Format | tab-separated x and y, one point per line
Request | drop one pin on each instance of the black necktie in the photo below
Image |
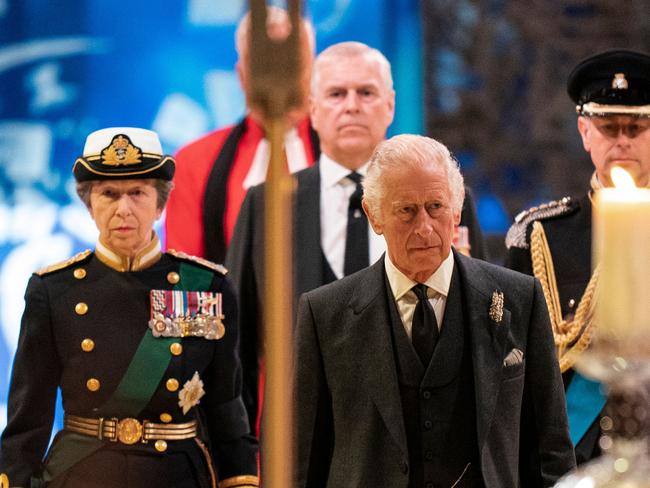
356	239
424	331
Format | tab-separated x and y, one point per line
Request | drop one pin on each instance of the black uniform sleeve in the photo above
519	259
32	394
234	449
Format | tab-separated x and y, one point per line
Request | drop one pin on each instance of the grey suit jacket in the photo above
349	425
245	260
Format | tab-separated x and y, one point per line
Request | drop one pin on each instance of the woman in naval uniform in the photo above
142	344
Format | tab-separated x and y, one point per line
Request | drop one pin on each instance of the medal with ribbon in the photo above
178	313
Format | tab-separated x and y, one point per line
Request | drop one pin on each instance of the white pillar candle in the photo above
622	247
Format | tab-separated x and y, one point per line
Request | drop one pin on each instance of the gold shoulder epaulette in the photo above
195	259
64	264
516	236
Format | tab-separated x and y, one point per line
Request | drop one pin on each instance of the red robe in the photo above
184	224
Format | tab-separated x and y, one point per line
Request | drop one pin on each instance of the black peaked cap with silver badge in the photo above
615	82
123	153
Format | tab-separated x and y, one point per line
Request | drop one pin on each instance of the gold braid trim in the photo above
243	481
571	336
208	460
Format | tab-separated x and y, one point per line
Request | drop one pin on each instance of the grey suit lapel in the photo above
488	341
309	262
371	340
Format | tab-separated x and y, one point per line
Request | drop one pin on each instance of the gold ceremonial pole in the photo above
275	89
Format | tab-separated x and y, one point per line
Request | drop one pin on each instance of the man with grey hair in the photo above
214	172
351	105
428	368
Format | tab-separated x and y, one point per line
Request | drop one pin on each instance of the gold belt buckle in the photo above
129	431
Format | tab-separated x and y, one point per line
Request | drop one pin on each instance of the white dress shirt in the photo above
335	191
406	299
296	158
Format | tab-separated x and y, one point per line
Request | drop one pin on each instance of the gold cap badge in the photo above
121	152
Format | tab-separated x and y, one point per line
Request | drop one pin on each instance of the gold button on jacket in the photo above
172	384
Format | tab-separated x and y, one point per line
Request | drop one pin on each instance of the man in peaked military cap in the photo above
553	241
143	346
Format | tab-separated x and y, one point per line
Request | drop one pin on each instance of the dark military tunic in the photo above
567	225
86	349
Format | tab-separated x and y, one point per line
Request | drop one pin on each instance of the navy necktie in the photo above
424	330
356	240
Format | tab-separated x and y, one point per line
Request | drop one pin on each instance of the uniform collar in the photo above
145	258
439	281
596	184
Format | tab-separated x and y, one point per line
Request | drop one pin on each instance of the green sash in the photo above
135	390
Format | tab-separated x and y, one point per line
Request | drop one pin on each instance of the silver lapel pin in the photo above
496	307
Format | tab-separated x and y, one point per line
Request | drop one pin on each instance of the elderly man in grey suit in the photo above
429	368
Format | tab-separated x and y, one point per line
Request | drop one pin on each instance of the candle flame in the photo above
622	178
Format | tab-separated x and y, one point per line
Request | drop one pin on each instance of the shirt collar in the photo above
145	258
331	172
439	281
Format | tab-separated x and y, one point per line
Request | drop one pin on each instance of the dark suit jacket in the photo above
245	261
349	425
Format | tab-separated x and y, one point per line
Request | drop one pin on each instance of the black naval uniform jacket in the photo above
567	225
50	355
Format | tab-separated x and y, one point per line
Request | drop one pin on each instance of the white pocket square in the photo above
514	357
